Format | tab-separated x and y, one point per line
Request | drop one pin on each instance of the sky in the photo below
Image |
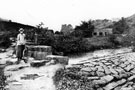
54	13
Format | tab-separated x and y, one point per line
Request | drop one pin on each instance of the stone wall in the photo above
39	52
116	72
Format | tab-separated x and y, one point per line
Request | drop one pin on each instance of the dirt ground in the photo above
25	77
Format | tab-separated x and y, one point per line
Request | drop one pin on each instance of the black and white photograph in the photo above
67	45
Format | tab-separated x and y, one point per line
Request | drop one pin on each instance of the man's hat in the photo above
21	29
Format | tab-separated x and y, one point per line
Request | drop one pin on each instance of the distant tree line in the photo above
75	42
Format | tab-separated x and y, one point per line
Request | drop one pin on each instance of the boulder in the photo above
58	59
37	63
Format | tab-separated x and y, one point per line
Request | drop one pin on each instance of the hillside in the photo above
131	20
131	23
102	23
8	25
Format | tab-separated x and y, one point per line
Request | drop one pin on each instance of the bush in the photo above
95	43
2	78
69	44
5	40
66	44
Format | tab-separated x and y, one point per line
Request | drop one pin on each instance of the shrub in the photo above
5	40
95	43
69	44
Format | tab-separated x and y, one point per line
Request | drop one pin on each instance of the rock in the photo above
107	78
83	73
112	85
129	67
120	70
100	69
133	71
93	78
107	71
107	63
30	76
92	73
103	80
127	88
38	63
131	78
127	63
93	69
100	73
100	89
99	82
122	65
117	88
58	59
89	64
87	69
116	62
113	71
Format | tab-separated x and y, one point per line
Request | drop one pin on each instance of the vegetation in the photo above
85	28
120	27
2	78
80	40
5	40
10	29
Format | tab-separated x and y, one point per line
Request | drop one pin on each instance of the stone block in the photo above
107	78
131	78
93	78
58	59
39	52
107	71
112	85
38	63
100	73
87	69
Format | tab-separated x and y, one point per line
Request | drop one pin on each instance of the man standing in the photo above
21	41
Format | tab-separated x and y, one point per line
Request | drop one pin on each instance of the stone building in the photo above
67	29
102	32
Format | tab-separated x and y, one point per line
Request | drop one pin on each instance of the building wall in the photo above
67	29
102	32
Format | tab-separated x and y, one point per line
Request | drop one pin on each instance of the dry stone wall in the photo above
115	72
39	52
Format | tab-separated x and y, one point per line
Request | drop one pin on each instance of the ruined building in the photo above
102	27
102	32
67	29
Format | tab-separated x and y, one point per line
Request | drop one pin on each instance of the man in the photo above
21	41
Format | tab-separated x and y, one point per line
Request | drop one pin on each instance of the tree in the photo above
120	27
86	27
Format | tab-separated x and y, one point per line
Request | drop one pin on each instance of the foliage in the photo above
69	44
115	40
61	43
120	27
2	78
86	27
5	40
